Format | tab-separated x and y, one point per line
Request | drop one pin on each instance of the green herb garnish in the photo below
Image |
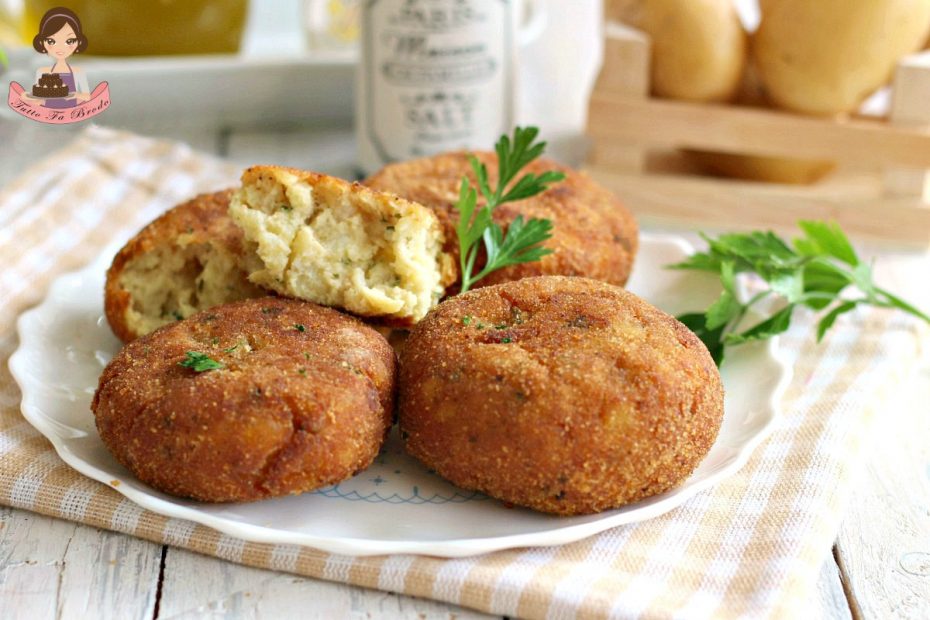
299	327
521	242
813	271
200	362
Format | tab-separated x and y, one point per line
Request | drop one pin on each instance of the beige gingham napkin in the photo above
752	546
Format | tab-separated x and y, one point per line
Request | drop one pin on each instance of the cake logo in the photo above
59	93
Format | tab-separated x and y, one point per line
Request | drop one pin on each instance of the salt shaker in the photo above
437	75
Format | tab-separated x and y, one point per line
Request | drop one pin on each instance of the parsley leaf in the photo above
825	238
712	338
828	321
814	271
521	242
200	362
772	326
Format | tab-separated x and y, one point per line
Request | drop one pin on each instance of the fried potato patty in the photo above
593	235
565	395
303	399
187	260
322	239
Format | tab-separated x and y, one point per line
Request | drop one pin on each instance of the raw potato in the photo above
826	56
759	167
762	168
698	46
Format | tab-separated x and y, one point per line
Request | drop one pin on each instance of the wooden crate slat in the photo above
910	108
712	203
632	132
671	124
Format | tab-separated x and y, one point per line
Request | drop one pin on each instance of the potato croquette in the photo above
302	398
187	260
322	239
565	395
593	236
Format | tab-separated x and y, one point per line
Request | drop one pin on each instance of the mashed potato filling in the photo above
172	283
339	244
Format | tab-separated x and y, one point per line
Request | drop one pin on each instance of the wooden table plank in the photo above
830	596
50	568
31	553
883	546
884	543
197	586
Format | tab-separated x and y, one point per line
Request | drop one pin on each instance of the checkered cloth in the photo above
752	546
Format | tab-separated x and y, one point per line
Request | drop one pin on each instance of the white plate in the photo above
396	505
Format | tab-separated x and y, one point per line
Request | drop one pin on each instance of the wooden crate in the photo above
881	189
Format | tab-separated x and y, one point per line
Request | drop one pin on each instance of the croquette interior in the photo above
338	244
173	282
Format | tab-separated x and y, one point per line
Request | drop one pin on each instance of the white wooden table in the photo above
880	567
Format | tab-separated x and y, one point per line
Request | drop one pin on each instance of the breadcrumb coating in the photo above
302	398
565	395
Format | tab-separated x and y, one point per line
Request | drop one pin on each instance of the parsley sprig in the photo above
520	244
199	362
814	271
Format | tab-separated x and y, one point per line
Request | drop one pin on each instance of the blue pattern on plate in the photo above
397	478
413	498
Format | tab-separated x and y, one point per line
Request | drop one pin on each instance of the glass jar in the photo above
132	28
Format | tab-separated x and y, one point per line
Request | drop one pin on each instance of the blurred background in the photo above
228	71
193	70
276	81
